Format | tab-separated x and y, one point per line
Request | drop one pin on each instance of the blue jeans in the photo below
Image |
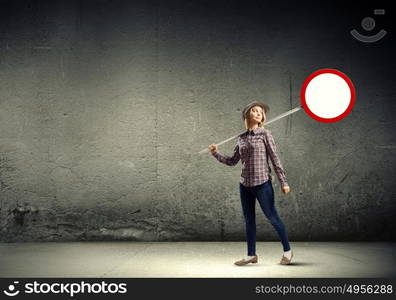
265	196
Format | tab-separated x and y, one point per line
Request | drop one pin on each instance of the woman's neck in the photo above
253	127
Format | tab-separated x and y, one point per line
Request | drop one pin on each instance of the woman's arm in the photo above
273	154
229	161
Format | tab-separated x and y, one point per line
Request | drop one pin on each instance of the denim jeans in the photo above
265	196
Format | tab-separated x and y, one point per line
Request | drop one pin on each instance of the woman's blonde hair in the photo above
247	118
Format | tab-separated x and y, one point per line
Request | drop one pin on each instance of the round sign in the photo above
327	95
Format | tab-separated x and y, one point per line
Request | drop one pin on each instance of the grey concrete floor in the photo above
195	259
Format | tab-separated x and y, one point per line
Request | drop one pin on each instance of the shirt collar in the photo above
253	132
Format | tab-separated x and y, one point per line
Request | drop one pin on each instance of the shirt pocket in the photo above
258	145
243	147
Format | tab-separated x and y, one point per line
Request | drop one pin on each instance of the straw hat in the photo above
264	106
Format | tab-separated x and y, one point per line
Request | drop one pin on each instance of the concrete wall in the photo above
105	104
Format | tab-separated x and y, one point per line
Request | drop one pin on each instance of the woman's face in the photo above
256	114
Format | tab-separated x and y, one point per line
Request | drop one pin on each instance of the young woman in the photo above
253	148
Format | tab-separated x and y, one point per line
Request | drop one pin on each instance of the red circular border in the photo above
312	76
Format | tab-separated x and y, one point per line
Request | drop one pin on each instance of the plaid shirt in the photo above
253	149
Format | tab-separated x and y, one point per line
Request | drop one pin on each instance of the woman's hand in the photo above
213	148
286	189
